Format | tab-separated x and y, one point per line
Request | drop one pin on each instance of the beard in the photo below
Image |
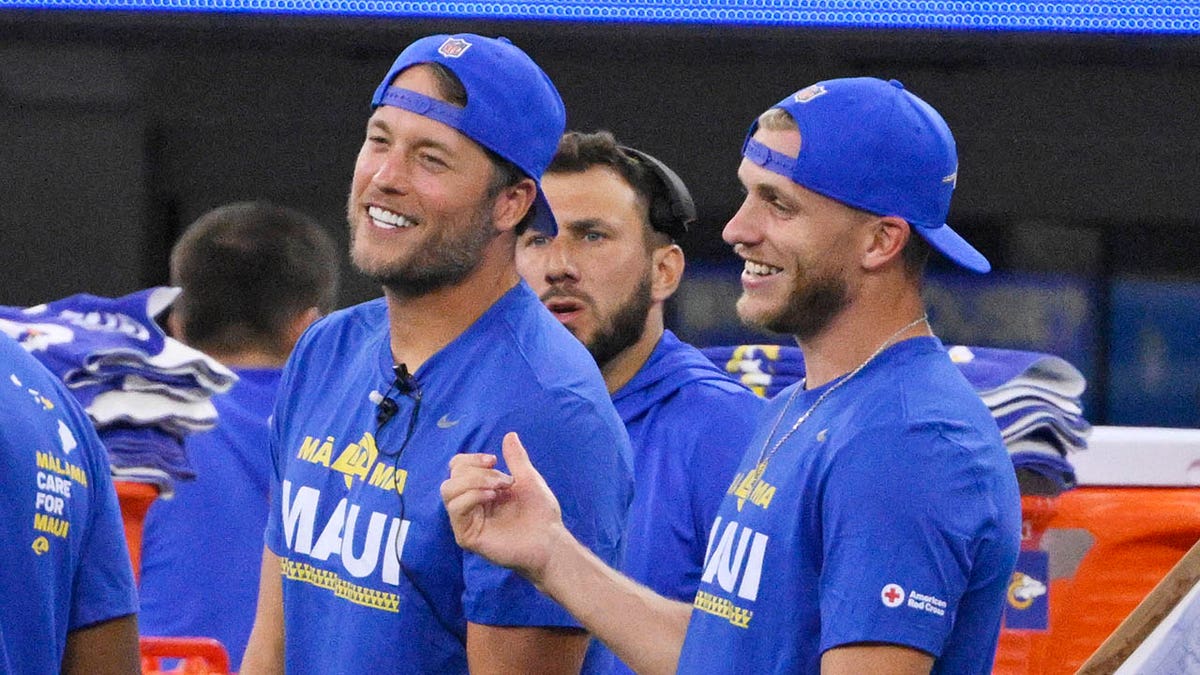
443	260
624	327
812	304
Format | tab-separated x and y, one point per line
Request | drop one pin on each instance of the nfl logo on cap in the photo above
454	47
512	107
809	93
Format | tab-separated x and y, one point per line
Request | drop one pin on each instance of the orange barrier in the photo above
1108	547
135	499
200	656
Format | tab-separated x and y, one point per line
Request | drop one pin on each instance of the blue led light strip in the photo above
1102	16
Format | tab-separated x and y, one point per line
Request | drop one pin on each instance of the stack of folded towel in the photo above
765	369
1036	400
143	390
1034	397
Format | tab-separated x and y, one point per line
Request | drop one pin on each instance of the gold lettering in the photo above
384	476
48	462
733	485
387	477
763	492
308	449
55	526
324	453
357	458
748	483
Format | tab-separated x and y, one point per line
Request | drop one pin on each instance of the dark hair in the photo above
247	269
504	173
579	151
915	253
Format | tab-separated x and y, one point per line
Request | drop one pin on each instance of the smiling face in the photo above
798	248
419	212
596	275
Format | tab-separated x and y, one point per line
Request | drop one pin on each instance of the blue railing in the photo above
1079	16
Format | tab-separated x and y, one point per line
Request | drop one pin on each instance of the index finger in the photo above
480	460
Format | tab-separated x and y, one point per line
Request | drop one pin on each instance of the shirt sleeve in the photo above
900	511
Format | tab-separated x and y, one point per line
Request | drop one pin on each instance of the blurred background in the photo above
1076	121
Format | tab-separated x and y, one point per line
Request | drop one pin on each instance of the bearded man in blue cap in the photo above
361	572
874	521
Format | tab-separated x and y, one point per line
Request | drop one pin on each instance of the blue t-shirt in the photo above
373	580
891	515
202	550
688	423
66	565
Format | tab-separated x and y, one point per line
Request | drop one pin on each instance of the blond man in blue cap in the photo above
874	521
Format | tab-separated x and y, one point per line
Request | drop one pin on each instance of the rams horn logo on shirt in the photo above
809	93
453	48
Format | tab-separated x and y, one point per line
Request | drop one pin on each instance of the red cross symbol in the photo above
892	595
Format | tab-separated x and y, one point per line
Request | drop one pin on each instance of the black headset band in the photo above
672	210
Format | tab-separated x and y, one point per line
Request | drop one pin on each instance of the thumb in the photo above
516	458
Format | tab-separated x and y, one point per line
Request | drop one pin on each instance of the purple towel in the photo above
1052	466
990	368
147	455
98	346
1034	397
765	369
66	333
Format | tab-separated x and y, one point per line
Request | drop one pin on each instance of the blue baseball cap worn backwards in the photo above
512	106
875	146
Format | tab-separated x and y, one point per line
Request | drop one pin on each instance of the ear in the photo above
299	324
666	271
888	236
513	203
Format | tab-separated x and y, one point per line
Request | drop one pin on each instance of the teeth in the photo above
387	219
759	269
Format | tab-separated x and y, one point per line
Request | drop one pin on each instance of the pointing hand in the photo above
512	520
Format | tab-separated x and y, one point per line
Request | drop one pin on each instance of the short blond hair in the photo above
777	119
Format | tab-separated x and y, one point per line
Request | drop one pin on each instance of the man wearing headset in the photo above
606	276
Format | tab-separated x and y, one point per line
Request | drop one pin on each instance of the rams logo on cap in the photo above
809	93
454	47
952	179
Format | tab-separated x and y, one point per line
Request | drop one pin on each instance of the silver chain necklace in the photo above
764	456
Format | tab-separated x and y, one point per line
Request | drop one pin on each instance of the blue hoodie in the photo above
688	423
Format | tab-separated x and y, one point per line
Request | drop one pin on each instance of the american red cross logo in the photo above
892	595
